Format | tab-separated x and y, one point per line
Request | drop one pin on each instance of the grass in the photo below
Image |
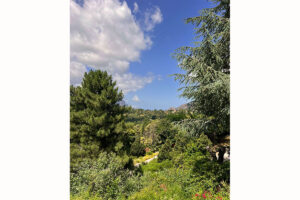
155	166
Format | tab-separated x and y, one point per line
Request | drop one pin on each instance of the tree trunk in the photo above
221	154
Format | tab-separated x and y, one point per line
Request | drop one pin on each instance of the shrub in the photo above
164	153
209	172
84	196
177	116
165	130
137	148
106	178
171	183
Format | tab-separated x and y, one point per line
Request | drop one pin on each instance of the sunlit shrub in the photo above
106	178
173	183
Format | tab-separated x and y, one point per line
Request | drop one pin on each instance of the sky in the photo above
133	40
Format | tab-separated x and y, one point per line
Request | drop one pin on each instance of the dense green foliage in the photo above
137	148
97	120
110	142
165	130
177	116
141	115
106	178
174	183
207	66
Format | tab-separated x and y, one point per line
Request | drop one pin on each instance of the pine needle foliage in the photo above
96	119
207	66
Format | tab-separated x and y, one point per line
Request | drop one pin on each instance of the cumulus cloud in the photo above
135	98
105	35
153	17
129	82
77	70
136	7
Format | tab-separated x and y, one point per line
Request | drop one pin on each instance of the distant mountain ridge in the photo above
185	106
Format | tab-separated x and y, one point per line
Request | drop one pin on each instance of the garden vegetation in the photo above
110	142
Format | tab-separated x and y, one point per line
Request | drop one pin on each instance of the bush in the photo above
84	196
165	130
164	153
177	116
106	178
173	183
209	172
149	153
137	148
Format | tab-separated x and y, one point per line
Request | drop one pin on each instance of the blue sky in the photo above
154	61
171	34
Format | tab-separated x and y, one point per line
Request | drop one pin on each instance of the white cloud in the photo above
77	70
136	7
105	35
129	82
153	17
135	98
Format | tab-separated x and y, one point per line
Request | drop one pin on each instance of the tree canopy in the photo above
97	120
114	147
207	66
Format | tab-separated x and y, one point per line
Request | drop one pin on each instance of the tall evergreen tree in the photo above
97	120
207	67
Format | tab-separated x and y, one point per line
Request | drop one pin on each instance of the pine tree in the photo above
97	120
207	67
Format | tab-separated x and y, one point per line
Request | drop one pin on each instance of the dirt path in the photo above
146	161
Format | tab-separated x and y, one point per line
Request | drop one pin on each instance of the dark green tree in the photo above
137	148
177	116
207	67
164	153
96	119
165	130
